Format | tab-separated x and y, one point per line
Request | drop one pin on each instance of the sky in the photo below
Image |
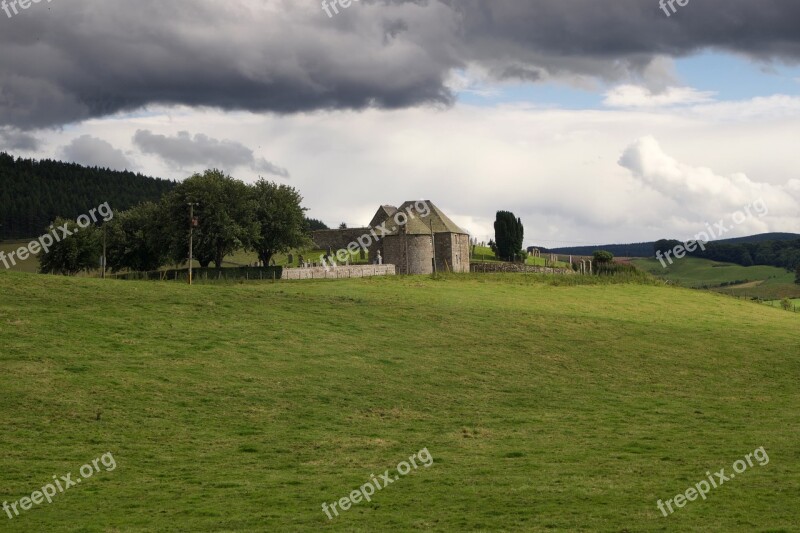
594	122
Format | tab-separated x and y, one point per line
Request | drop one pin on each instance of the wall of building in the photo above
337	239
354	271
414	251
452	252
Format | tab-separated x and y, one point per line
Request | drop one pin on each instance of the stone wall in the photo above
353	271
518	268
337	239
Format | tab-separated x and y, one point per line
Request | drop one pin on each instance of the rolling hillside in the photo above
545	408
764	282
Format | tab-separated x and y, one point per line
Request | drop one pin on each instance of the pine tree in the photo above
509	235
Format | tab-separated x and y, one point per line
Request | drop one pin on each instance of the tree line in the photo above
33	193
783	254
229	215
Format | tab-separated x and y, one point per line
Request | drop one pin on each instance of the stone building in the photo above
411	247
414	247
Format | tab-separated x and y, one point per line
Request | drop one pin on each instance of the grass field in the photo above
245	407
764	282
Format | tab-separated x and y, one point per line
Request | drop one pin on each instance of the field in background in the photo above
763	282
545	408
243	258
779	303
484	253
31	264
237	259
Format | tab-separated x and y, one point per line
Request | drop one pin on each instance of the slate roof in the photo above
435	222
384	212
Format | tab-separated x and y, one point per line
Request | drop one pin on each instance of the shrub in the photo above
602	257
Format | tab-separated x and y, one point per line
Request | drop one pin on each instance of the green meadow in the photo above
547	404
765	282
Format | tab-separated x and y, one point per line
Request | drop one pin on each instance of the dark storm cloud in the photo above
12	139
185	151
69	61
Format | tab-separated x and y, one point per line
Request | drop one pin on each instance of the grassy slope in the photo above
700	273
244	407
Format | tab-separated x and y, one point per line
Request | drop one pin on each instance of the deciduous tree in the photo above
226	218
602	257
78	250
281	220
136	239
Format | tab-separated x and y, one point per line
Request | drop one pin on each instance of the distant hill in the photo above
639	249
761	238
33	193
645	249
766	282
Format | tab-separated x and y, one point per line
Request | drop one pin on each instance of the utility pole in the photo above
433	245
404	230
104	251
192	224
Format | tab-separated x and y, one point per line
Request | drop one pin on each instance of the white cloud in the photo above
474	80
700	195
557	169
642	97
756	109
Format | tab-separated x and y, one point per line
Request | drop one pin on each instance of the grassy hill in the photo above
245	407
764	282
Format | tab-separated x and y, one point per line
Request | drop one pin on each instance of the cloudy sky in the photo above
593	121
